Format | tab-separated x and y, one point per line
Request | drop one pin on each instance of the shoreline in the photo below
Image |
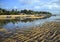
22	17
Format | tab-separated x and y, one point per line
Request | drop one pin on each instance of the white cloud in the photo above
51	6
41	4
15	7
53	1
37	7
28	2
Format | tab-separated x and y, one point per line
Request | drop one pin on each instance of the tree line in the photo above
25	11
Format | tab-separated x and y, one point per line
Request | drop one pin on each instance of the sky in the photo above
52	6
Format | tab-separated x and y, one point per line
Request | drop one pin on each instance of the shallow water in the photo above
27	24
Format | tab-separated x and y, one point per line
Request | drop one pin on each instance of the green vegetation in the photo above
48	32
16	12
7	12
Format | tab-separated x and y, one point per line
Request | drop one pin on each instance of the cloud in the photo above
28	2
51	6
37	7
15	7
48	5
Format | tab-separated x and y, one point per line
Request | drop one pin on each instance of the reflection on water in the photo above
26	23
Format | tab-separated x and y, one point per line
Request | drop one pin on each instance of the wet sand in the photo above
21	16
48	32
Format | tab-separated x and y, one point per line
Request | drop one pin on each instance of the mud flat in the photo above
48	32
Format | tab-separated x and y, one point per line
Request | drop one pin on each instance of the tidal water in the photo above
9	24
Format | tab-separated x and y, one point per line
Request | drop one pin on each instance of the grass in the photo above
48	32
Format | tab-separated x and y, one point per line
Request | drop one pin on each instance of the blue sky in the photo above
37	5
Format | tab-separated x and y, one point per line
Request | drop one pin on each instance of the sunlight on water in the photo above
26	24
